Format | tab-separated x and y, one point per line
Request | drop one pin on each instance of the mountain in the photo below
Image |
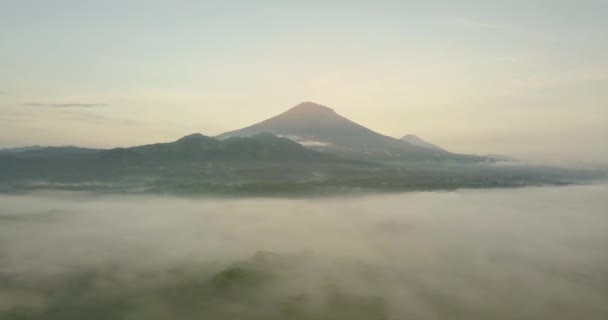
417	141
194	164
40	150
57	151
197	147
20	149
321	128
188	156
261	164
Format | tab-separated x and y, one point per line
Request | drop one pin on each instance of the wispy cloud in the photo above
65	105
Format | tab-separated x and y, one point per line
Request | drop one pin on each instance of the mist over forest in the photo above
527	253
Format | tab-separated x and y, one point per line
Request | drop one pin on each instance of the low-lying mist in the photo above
530	253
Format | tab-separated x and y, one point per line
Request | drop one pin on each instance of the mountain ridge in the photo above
322	129
262	164
417	141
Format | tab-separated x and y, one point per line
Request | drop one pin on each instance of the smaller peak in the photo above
410	136
192	137
309	106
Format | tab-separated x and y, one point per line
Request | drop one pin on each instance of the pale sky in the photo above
524	78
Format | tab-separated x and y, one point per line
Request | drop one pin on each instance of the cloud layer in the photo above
534	253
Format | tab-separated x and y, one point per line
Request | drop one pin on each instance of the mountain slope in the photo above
38	151
187	156
417	141
197	147
20	149
322	129
263	164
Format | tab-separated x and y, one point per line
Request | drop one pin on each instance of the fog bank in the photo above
530	253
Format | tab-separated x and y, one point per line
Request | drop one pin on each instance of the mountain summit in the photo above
299	118
307	123
321	128
310	108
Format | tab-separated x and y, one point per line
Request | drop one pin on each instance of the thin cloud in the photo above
65	105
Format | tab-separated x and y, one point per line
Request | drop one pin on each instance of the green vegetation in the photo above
257	288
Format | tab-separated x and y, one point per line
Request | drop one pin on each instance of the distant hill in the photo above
263	147
36	151
187	156
321	128
197	147
58	151
417	141
261	164
20	149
